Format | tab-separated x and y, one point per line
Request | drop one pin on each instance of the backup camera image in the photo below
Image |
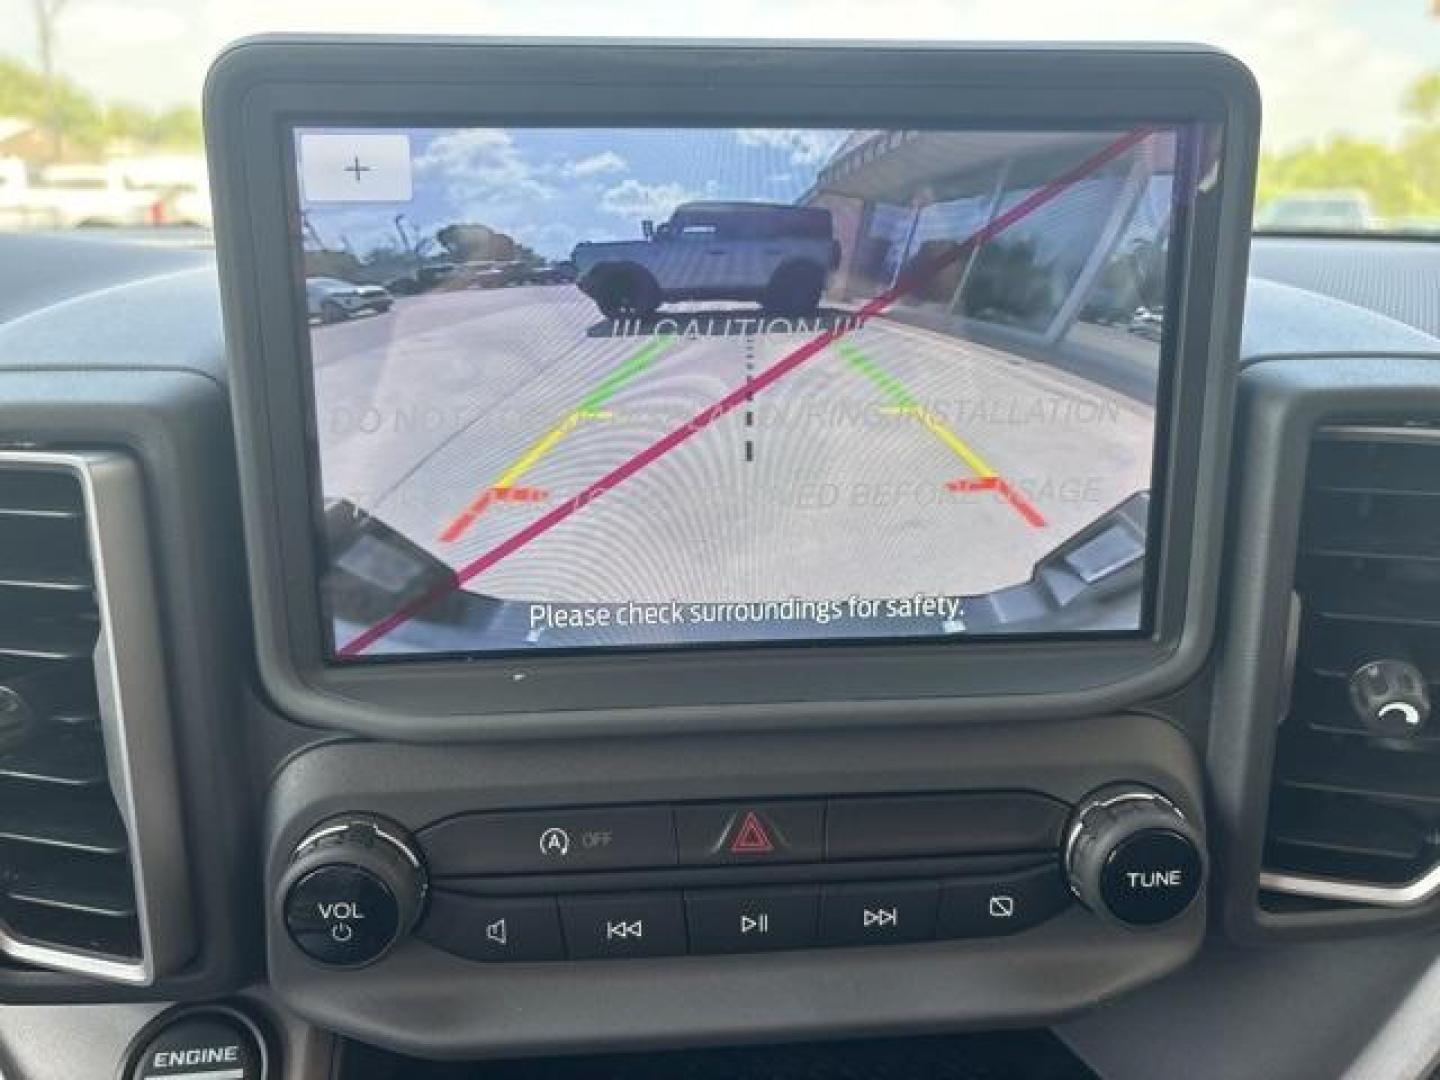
653	387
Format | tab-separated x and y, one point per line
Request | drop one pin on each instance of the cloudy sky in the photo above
550	189
1324	65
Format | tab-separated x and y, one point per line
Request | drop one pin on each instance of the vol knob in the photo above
1132	857
1391	698
354	887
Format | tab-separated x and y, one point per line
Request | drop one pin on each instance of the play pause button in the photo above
751	920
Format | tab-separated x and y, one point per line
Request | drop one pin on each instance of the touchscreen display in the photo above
640	388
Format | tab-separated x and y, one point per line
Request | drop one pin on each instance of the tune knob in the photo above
1390	697
354	887
1132	857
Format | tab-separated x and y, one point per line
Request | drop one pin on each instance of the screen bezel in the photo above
260	90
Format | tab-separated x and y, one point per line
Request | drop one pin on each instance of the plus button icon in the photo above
356	168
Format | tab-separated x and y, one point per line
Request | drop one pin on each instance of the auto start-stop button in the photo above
211	1042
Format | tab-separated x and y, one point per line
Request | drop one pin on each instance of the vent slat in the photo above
1343	547
38	567
1345	803
1365	773
71	929
1349	827
101	888
29	816
32	513
46	580
74	757
39	493
1378	597
1404	464
1376	489
49	639
1367	849
1322	704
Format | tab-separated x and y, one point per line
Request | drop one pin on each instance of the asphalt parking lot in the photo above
894	461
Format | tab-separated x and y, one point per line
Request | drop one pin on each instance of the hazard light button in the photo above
734	833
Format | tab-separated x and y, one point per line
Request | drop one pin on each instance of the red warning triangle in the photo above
752	837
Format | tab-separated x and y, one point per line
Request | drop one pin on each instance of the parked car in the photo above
423	279
331	300
490	273
74	196
176	185
1148	323
548	273
1317	211
775	254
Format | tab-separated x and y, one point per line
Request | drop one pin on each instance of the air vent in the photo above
77	891
1355	811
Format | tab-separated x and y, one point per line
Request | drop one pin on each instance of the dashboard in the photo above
710	560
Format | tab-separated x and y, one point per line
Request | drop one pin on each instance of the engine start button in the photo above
210	1043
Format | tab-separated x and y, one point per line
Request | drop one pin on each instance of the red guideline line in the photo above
483	502
1023	506
467	517
919	273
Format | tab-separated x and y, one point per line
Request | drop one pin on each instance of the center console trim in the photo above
422	1000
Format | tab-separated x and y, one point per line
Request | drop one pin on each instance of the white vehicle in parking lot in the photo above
71	196
775	254
330	300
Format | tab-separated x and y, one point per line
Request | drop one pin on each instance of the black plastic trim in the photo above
1283	402
425	1002
257	85
175	425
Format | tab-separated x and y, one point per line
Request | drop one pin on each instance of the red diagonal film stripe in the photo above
921	271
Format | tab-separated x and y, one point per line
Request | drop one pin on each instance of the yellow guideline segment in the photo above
504	487
544	445
903	404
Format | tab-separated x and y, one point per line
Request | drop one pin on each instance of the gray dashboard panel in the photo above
54	357
423	1001
1397	278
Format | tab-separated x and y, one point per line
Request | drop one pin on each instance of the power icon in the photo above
343	915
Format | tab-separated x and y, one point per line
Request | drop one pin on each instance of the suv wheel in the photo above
794	290
628	294
331	312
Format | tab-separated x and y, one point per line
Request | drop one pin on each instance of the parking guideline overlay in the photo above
902	403
590	408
